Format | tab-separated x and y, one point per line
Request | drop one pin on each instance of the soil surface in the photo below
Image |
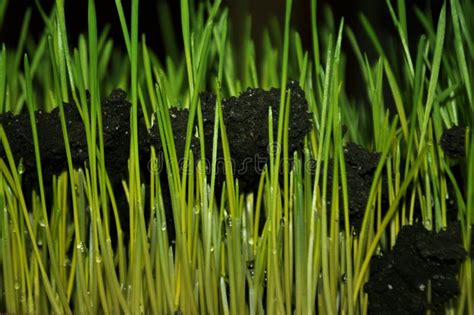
115	120
453	142
246	121
360	170
245	117
399	279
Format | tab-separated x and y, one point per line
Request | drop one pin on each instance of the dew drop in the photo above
344	278
81	247
41	223
229	221
422	287
163	226
389	286
17	285
21	167
250	264
98	259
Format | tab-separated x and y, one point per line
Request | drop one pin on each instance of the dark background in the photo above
260	10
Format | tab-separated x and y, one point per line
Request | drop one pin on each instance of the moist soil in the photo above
360	165
453	142
246	121
399	279
245	117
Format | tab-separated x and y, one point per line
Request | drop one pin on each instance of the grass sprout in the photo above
287	248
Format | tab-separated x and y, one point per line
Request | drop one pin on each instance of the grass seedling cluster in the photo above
59	256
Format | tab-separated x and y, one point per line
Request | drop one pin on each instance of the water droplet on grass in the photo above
344	278
17	285
21	167
250	264
81	247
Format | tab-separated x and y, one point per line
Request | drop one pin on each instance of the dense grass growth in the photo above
60	258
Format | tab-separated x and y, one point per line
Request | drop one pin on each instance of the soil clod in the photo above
360	170
246	121
399	280
452	142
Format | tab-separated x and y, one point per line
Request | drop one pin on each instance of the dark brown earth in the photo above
360	170
399	279
245	117
452	142
246	121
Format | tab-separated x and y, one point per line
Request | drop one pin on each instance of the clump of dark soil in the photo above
245	117
360	170
453	142
116	126
179	124
51	144
246	121
115	120
399	279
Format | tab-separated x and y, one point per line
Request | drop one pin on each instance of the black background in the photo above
260	11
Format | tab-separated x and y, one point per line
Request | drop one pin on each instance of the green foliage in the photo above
302	261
